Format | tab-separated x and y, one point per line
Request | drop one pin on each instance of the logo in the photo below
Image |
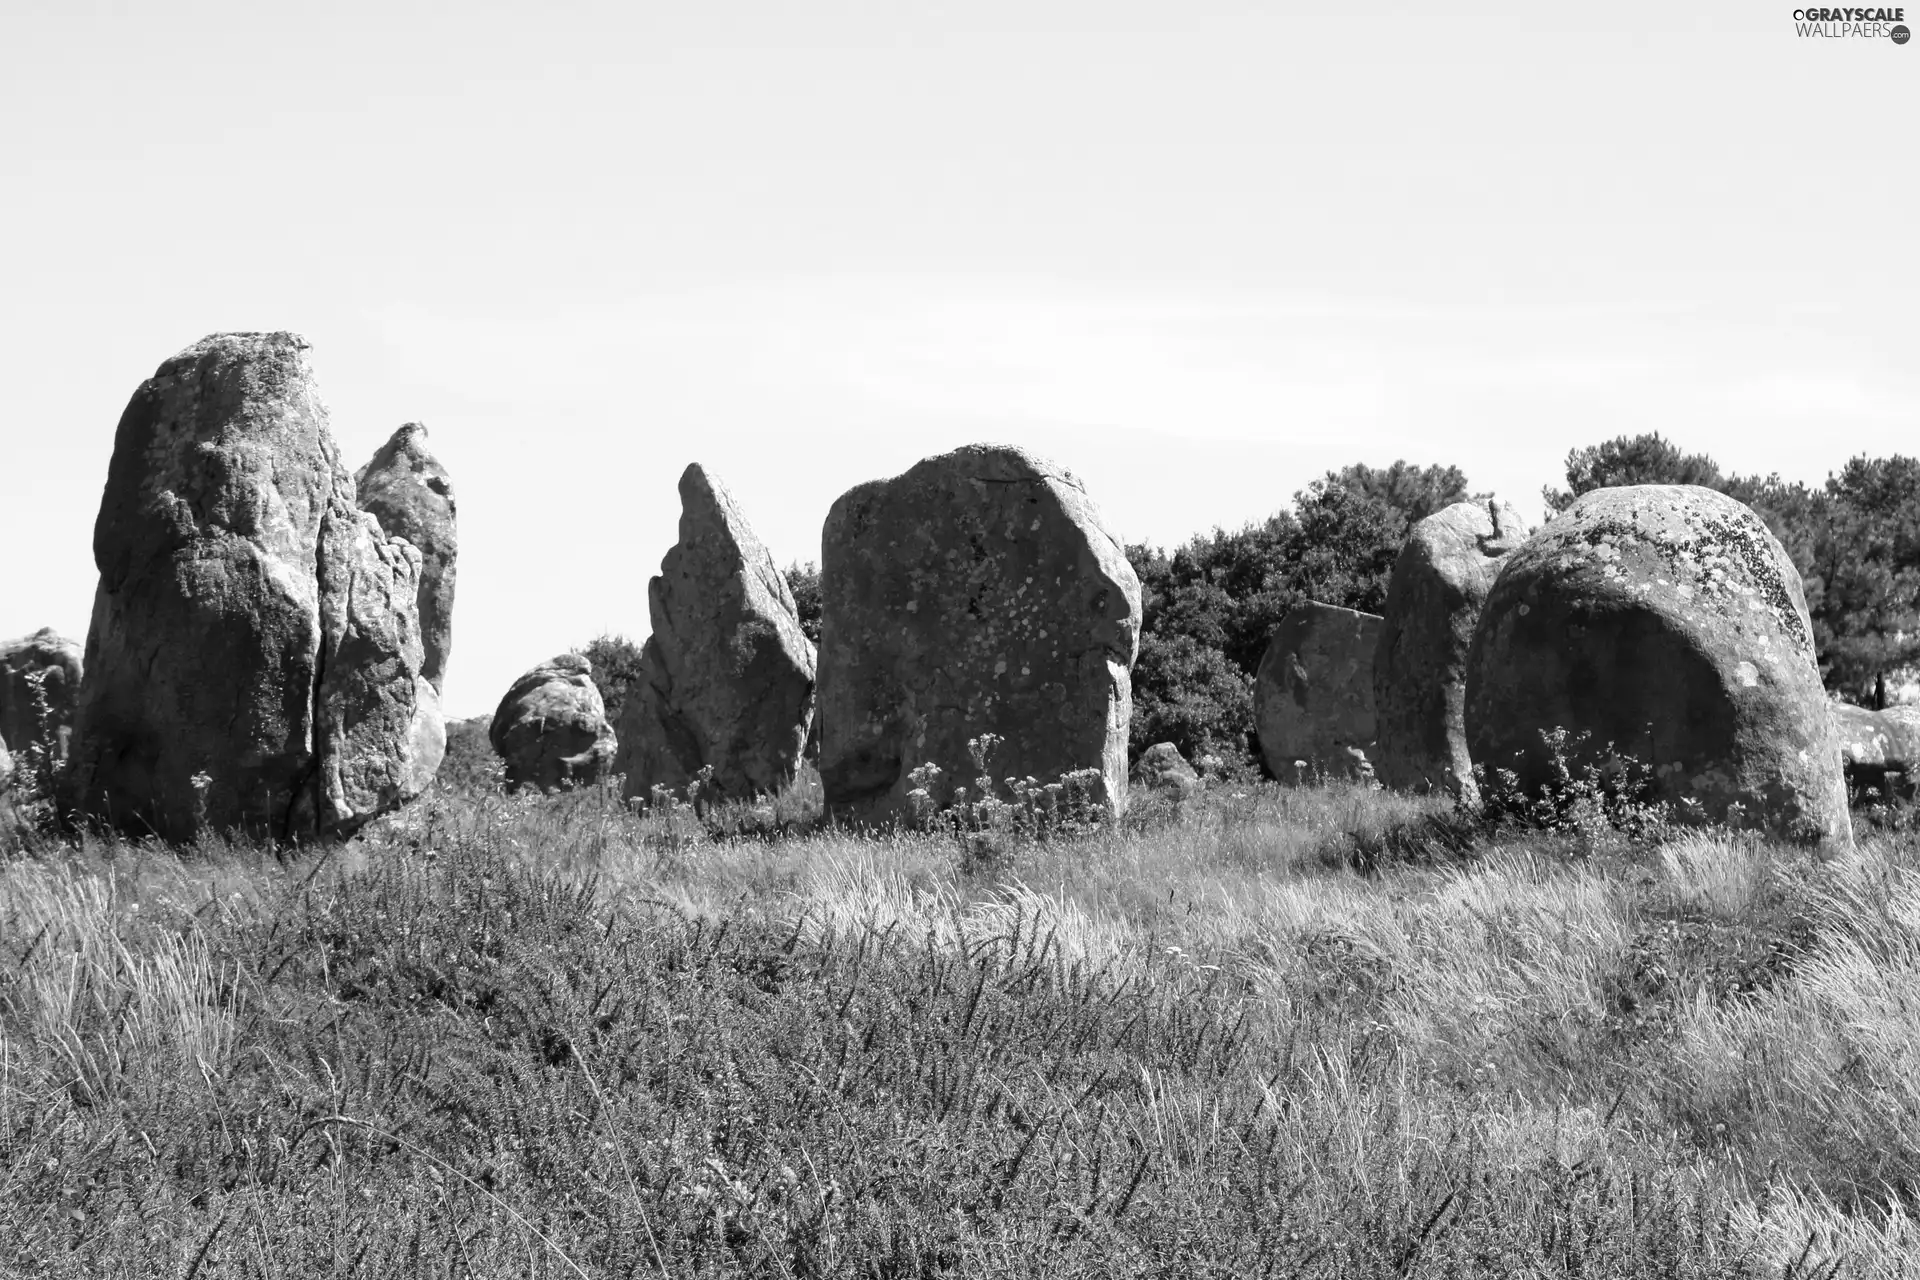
1872	24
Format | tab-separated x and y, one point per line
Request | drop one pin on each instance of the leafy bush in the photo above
617	667
804	581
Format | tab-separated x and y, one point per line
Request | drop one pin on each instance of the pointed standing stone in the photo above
727	675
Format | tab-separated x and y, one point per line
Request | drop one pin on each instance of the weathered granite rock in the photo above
1313	693
1162	771
1666	625
1879	750
56	662
976	593
406	489
378	727
254	657
727	678
1439	583
551	728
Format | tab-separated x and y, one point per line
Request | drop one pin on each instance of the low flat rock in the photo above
1440	581
406	489
1662	624
551	728
979	592
54	663
1313	693
727	675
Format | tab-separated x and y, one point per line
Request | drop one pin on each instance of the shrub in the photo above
617	667
804	581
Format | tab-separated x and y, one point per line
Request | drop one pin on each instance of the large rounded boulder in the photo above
1440	581
726	680
39	686
406	489
254	660
551	728
977	593
1313	694
1661	625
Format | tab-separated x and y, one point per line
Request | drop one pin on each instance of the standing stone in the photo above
56	662
406	489
1666	625
1313	694
551	727
1439	584
976	593
254	658
727	676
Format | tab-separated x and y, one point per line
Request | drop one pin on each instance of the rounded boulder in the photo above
1661	626
551	728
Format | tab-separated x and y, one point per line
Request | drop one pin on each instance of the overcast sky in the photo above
1199	254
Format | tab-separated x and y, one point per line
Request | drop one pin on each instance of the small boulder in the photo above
977	593
1439	583
727	676
1661	624
1162	771
53	662
1313	694
254	658
406	489
551	728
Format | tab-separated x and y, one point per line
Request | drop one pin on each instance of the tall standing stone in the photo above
1313	693
1666	625
1439	583
727	676
406	489
254	657
976	593
53	663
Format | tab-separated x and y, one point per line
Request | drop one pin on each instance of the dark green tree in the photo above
1415	492
616	668
1643	459
1208	607
1866	560
804	581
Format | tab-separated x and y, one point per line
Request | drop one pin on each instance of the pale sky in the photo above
1200	254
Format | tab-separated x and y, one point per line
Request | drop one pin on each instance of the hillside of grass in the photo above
1318	1032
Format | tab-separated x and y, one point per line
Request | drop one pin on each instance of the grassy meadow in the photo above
1322	1031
